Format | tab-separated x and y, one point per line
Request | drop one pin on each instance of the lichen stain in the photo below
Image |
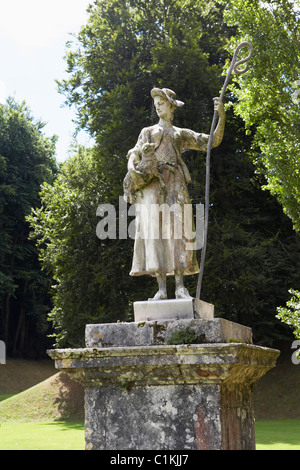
202	431
206	373
66	363
171	409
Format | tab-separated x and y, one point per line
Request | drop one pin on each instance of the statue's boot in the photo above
182	293
160	295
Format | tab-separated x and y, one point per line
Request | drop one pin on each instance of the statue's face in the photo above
163	108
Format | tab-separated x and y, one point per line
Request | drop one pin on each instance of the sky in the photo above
33	35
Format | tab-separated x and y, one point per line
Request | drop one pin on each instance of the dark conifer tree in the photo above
26	161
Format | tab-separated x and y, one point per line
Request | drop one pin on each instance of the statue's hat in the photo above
167	94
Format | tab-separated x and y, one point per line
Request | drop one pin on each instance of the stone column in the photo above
142	391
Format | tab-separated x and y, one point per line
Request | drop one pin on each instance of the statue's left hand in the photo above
219	107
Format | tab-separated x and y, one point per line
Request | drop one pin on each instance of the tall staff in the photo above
233	67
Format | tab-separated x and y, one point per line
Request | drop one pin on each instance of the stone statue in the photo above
158	177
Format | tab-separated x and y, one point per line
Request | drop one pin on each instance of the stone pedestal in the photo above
173	309
142	391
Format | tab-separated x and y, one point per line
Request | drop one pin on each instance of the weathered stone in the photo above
215	330
203	309
166	417
168	397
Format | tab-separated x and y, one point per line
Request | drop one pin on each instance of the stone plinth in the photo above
172	309
143	393
152	333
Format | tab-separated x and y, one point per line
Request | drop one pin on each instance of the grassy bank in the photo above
56	398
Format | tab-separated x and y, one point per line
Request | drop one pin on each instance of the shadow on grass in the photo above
6	395
67	425
69	399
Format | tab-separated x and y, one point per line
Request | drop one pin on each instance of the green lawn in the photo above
41	436
278	434
270	435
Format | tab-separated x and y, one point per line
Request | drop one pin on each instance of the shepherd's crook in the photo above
233	67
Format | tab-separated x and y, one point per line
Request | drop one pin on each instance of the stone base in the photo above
141	392
172	309
168	417
152	333
185	397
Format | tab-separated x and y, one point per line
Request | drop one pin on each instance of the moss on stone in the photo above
183	336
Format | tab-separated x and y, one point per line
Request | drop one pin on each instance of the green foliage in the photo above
183	336
266	98
89	274
126	48
290	315
26	160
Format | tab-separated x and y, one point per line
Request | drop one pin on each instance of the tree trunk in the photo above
20	332
6	317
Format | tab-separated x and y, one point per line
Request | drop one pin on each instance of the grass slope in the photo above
18	374
277	393
54	398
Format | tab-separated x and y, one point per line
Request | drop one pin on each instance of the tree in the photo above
267	100
290	314
126	48
26	160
